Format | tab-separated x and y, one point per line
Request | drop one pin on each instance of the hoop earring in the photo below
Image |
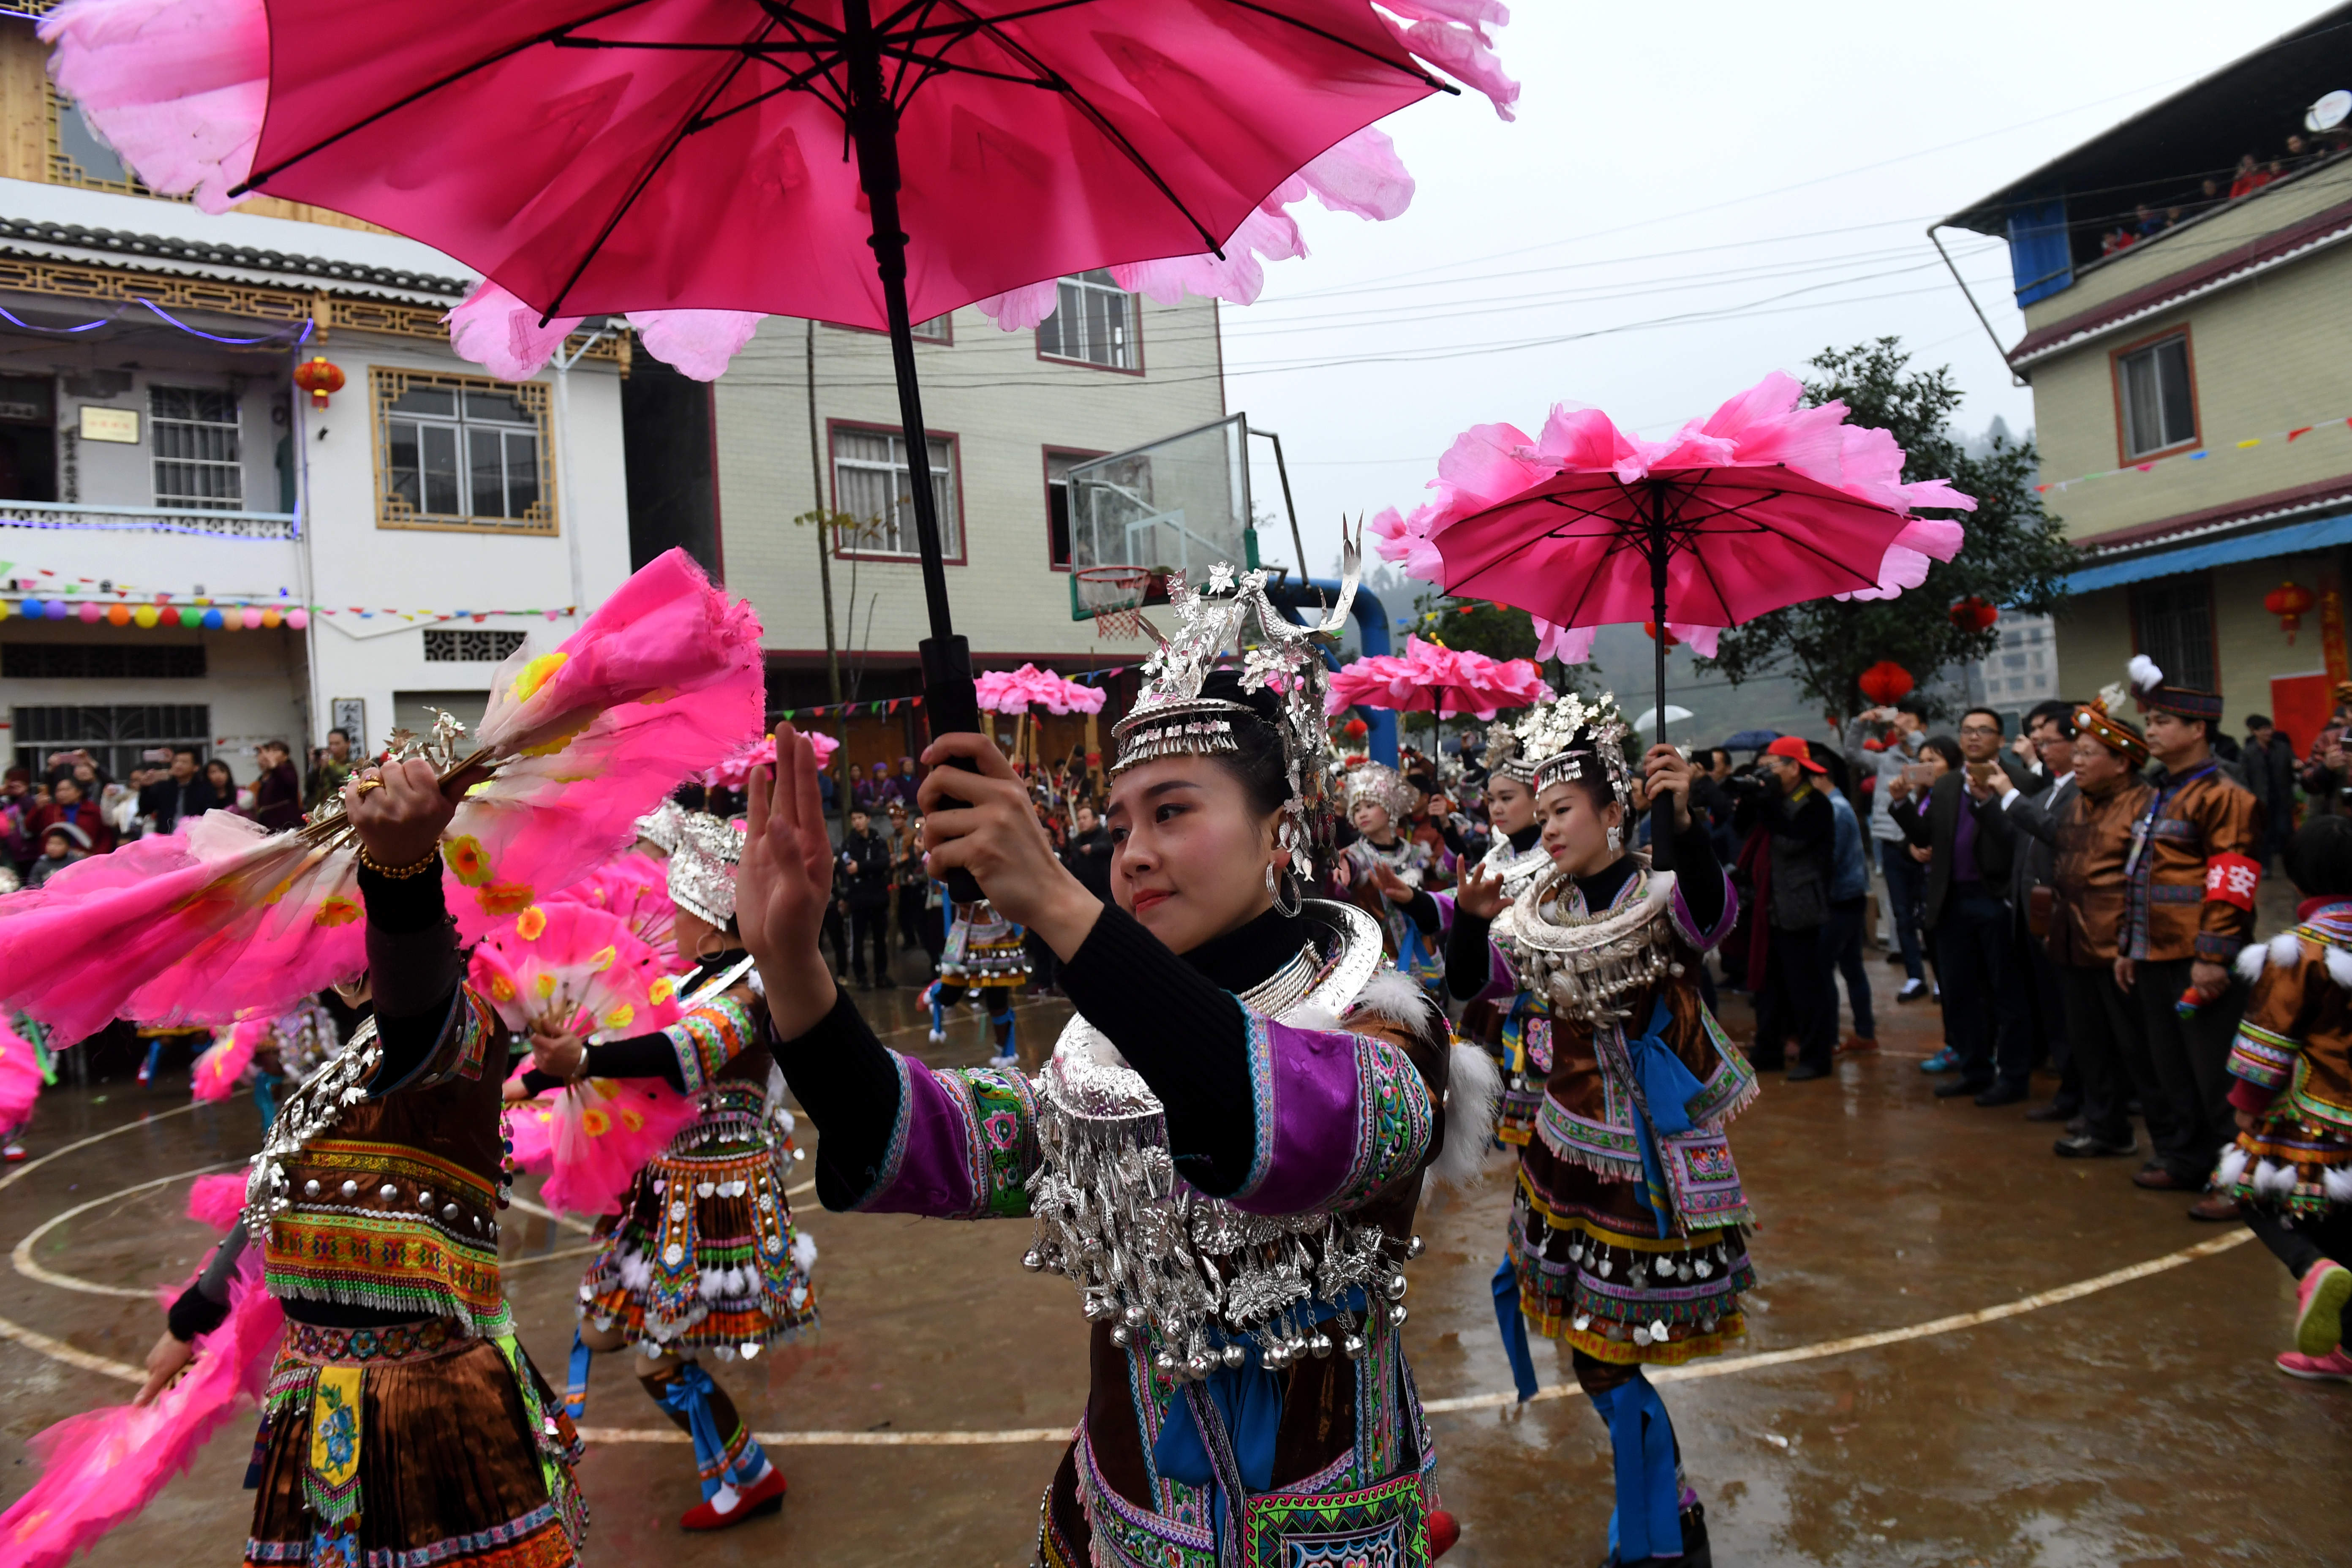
701	957
1276	882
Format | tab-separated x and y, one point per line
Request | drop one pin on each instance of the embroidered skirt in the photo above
1594	1271
704	1254
415	1446
985	954
2299	1166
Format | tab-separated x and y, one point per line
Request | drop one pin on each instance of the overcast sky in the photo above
1769	170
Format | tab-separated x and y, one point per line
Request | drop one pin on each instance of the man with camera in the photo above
1905	878
1966	912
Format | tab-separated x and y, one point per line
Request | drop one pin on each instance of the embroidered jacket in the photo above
2191	877
1345	1119
2292	1058
395	1208
2093	843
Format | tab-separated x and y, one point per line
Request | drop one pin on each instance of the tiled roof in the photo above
157	247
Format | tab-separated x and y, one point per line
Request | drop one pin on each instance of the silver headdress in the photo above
1384	787
1172	717
703	867
1507	758
1564	738
662	824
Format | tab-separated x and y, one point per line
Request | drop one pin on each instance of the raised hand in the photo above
996	836
783	885
400	810
1666	771
1481	893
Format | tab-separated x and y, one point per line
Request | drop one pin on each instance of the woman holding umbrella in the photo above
1250	1401
1628	1227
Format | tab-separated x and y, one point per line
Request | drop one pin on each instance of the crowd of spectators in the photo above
75	808
2252	173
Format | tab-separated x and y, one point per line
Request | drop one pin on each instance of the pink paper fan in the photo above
217	1201
20	1078
101	1468
636	888
223	1063
660	682
563	966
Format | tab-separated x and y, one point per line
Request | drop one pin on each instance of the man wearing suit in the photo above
2086	830
2047	750
1966	913
184	793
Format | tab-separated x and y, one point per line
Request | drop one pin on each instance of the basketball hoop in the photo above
1119	620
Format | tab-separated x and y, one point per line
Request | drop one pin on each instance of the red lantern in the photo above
1650	629
318	377
1355	728
1973	615
1886	683
2288	602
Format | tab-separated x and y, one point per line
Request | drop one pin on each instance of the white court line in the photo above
22	1257
1720	1368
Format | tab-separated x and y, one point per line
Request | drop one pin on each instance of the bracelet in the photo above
400	873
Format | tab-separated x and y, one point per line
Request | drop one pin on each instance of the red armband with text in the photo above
2231	880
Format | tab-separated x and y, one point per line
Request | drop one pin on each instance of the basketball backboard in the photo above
1178	504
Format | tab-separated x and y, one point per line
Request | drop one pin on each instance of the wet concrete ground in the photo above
2137	1423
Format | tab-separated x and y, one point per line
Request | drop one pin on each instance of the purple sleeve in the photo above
1687	925
1445	903
1340	1116
962	1147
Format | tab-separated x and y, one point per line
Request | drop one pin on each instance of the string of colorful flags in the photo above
2197	454
43	594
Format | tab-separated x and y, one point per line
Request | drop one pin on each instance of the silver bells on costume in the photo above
1192	1278
703	867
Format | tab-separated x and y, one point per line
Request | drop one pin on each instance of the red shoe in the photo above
765	1495
2320	1298
2333	1367
1857	1045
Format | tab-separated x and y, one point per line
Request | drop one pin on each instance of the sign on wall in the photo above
99	423
349	714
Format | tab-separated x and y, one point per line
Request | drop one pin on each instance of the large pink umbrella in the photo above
1762	505
1431	677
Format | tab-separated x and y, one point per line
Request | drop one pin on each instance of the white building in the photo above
2023	669
386	548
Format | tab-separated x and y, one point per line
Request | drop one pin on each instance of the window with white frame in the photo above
2154	391
1093	322
195	436
461	452
872	486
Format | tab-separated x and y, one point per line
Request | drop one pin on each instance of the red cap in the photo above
1793	748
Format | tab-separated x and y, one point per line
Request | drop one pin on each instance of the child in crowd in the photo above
2290	1166
61	846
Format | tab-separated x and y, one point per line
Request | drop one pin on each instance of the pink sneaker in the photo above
2319	1307
2333	1367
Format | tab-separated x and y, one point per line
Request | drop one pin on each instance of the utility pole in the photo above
824	550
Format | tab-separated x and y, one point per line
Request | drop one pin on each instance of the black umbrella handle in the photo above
953	704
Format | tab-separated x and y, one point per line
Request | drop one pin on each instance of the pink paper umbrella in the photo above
1762	505
694	163
1432	678
1018	691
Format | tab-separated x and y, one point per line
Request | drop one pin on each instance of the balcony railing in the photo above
69	517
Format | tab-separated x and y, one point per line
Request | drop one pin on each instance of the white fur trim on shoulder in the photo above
2339	967
1473	1094
1394	997
2251	959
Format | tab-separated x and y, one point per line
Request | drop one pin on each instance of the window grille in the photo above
114	737
871	483
196	460
444	645
2158	410
2173	625
1093	322
458	452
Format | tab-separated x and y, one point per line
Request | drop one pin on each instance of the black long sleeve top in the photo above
1175	1018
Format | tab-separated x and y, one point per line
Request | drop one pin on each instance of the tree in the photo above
2016	555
